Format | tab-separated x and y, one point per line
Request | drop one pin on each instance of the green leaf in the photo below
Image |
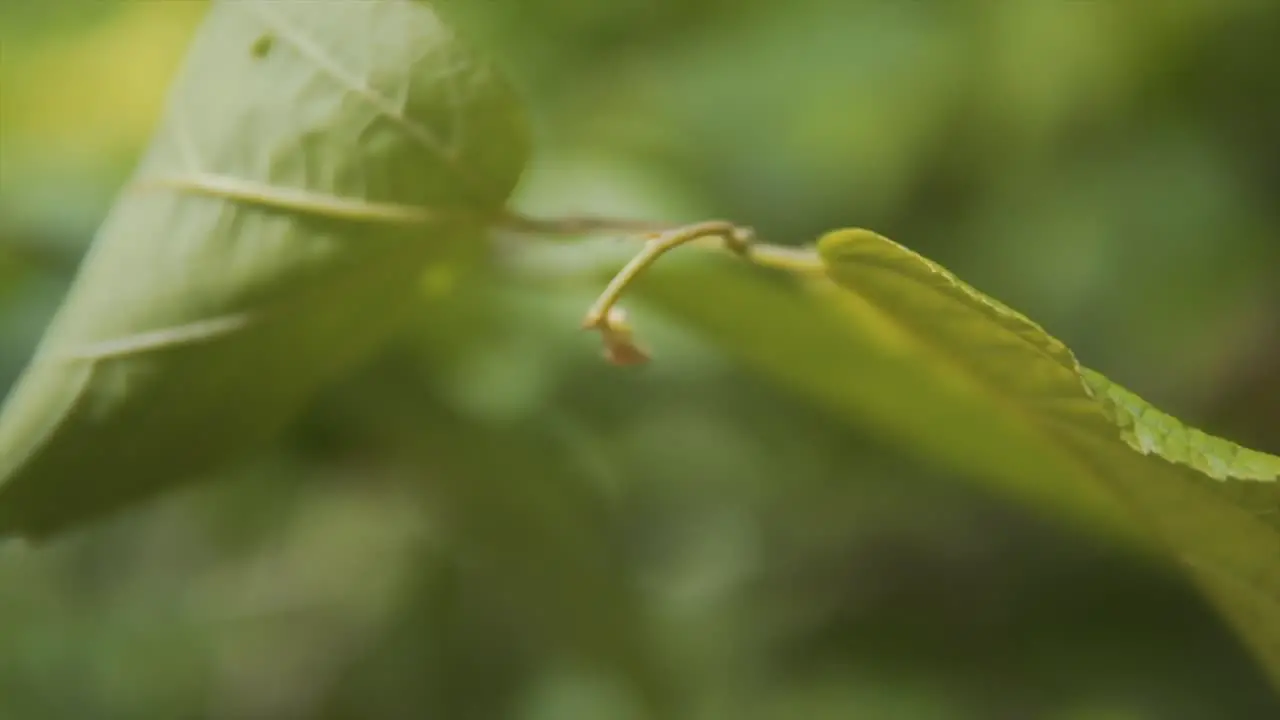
525	518
899	343
313	159
1148	430
1211	503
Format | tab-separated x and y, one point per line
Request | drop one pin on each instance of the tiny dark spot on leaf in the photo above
262	45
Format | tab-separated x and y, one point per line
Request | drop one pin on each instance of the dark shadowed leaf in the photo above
528	528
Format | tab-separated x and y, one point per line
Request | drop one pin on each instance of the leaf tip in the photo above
839	245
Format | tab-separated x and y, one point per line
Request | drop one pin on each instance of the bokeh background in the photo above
489	522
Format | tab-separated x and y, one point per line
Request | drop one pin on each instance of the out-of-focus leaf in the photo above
520	515
314	158
900	342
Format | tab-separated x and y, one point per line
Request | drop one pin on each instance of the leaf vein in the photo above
296	200
323	59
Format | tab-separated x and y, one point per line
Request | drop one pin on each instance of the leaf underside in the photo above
1210	503
898	344
313	158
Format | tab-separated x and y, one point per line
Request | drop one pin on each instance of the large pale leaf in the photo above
313	158
901	344
1211	503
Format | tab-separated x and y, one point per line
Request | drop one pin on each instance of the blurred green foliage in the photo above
210	342
1105	167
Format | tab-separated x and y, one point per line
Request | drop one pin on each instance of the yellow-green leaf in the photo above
902	345
313	158
1149	430
1194	503
1211	503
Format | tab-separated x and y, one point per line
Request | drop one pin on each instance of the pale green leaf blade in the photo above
1210	503
897	343
843	353
313	158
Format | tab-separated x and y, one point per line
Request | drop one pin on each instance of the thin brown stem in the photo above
605	316
734	237
514	221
